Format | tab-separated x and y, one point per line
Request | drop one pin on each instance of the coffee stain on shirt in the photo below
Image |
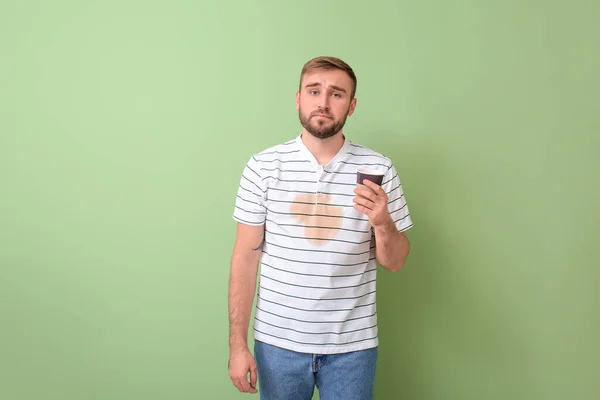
321	221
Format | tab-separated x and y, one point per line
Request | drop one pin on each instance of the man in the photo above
318	236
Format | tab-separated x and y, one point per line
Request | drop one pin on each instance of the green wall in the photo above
124	128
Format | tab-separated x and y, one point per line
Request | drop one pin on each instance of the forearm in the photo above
242	288
392	247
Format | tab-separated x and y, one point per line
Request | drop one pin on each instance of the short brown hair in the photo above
329	63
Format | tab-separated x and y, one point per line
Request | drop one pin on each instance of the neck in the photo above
323	149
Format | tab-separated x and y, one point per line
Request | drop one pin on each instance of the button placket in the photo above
318	177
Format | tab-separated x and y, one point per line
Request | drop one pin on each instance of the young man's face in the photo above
324	101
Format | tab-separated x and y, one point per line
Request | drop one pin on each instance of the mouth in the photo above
321	116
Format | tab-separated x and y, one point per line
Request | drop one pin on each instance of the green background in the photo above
125	126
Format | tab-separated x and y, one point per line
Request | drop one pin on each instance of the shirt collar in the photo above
344	150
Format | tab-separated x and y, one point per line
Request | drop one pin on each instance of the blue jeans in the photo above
288	375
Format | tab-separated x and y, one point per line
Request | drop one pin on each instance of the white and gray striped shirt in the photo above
318	269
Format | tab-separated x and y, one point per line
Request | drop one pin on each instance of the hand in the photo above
241	363
372	200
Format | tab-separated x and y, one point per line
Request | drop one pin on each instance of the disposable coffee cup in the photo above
370	174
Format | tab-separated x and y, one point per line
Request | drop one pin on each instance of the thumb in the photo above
253	375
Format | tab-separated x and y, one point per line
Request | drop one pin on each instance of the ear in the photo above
352	106
297	101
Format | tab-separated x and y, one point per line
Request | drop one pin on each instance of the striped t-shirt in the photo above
318	269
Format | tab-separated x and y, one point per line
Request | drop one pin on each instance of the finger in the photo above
363	209
375	187
246	382
376	194
246	388
365	192
253	376
251	381
241	383
237	384
364	202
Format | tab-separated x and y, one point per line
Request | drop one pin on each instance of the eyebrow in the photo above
339	89
316	84
310	85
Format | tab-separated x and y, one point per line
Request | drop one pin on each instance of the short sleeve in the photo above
250	205
396	201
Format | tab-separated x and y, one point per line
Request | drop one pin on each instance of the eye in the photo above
336	95
314	92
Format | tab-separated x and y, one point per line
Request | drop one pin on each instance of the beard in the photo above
321	128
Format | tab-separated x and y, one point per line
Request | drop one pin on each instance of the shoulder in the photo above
278	149
358	150
273	155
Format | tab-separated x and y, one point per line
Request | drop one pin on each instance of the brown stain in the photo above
320	221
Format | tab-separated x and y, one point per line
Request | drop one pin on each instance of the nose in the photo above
323	103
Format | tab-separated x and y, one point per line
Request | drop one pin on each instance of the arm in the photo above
242	286
392	246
